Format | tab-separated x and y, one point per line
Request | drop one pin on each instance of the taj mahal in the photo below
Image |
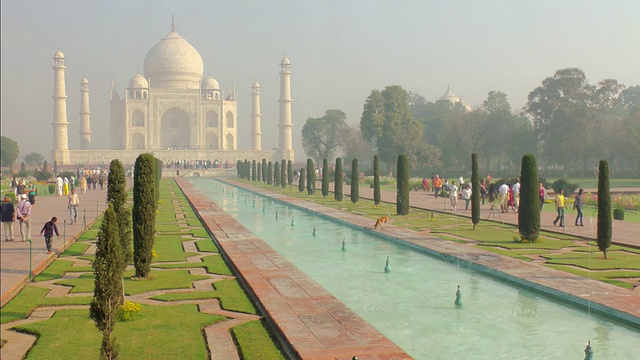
172	112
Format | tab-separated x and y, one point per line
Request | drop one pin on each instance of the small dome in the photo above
138	82
84	80
58	55
173	63
450	96
466	106
255	85
210	83
285	61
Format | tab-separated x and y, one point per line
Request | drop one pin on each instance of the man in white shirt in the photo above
74	201
503	197
516	194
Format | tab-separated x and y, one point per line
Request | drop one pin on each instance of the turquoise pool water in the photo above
413	305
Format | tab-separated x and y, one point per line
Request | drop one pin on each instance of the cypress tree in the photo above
475	191
529	211
276	174
325	178
402	198
239	168
158	174
253	170
376	180
283	174
604	208
117	196
355	181
247	169
264	170
337	185
269	173
107	291
289	173
311	177
301	180
55	167
259	168
45	166
144	214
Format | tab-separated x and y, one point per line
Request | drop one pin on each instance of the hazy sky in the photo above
339	51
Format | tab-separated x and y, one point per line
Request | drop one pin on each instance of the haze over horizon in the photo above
340	52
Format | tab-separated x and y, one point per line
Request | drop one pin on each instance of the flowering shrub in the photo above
153	253
129	310
618	201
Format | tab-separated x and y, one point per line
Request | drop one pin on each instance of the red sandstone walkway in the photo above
14	256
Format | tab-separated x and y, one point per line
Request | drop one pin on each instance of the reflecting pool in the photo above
413	304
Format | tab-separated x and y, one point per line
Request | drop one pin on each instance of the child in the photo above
48	229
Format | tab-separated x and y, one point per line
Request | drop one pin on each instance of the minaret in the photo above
85	120
285	125
256	134
60	124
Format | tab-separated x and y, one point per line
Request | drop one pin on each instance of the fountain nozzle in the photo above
387	265
458	301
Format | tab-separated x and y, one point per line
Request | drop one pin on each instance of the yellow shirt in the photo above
559	201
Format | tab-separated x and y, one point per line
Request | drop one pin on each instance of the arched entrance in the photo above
175	132
212	142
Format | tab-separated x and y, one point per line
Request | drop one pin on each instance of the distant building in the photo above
449	95
172	111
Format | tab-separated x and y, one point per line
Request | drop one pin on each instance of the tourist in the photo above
425	184
65	186
94	179
74	201
59	185
21	188
483	190
48	229
453	195
31	192
14	186
101	179
560	201
577	205
437	185
460	183
8	214
24	216
466	195
503	197
542	193
83	184
516	194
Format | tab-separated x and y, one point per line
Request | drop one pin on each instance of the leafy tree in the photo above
402	200
355	181
107	291
269	173
387	123
337	184
325	177
117	196
144	214
33	158
475	191
529	210
311	177
264	170
276	174
283	174
301	180
9	151
376	180
604	208
354	145
322	137
253	170
289	173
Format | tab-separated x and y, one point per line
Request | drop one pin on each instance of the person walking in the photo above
31	192
437	185
577	205
65	187
453	195
24	216
425	184
74	201
466	195
516	194
560	201
503	197
48	229
542	193
483	191
8	214
83	184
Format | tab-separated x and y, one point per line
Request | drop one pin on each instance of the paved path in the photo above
624	232
14	256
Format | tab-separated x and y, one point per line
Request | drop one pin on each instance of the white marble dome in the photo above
138	82
173	63
210	83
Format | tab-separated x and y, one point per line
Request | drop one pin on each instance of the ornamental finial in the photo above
173	23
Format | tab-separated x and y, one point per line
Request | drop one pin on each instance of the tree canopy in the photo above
9	151
322	137
33	159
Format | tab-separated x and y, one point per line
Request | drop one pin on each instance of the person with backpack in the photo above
24	215
48	229
8	212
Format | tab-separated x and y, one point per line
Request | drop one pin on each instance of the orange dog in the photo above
381	222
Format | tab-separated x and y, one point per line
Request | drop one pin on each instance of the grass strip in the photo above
254	341
207	246
213	263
